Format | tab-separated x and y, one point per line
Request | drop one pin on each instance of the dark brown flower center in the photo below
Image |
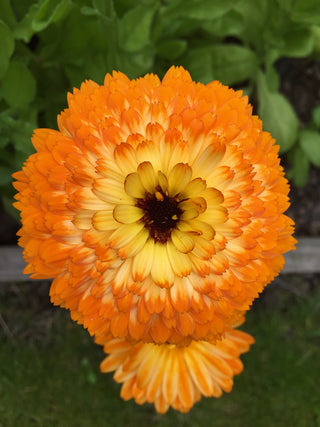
161	214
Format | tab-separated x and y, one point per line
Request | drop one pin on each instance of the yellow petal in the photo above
104	220
179	178
163	182
161	270
213	196
110	191
135	245
182	241
203	248
209	158
148	151
194	187
189	210
199	373
202	228
125	157
124	234
127	214
179	261
143	261
181	295
147	176
133	186
215	215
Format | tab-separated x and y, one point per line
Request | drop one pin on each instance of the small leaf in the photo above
199	9
310	144
19	85
134	27
230	24
50	12
7	47
299	173
316	116
105	8
298	43
272	79
225	62
23	30
278	115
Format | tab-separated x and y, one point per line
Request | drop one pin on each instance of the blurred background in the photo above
270	49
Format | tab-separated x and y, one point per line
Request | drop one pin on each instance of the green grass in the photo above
49	368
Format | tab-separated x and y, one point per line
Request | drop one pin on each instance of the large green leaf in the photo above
310	144
134	27
7	47
228	63
19	85
277	114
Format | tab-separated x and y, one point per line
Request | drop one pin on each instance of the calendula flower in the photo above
170	375
157	208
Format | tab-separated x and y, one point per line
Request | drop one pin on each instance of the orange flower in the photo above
169	375
157	208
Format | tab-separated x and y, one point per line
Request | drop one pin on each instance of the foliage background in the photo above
50	46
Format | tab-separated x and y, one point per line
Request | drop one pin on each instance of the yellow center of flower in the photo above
161	214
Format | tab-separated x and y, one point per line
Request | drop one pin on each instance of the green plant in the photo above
49	46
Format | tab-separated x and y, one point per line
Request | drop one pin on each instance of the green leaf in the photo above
134	27
105	7
17	131
316	40
307	11
277	114
171	49
5	175
19	85
316	116
299	171
50	12
310	144
230	24
272	79
23	30
225	62
135	64
7	47
254	14
199	9
298	43
6	13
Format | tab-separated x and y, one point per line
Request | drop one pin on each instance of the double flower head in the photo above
158	210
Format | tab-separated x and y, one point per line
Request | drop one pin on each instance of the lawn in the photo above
49	367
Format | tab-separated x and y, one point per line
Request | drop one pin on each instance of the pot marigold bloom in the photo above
170	375
157	208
